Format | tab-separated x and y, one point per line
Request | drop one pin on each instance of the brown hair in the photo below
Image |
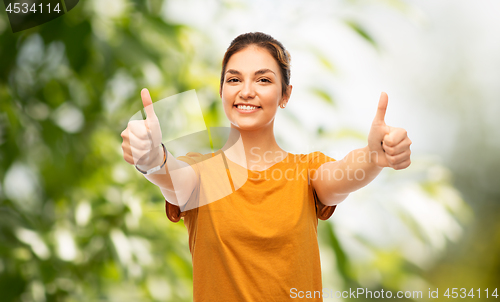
275	48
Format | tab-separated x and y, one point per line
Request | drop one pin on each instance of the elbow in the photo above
335	199
178	197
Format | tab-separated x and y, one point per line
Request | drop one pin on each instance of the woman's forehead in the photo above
252	59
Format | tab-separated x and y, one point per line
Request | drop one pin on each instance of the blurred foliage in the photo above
361	31
77	223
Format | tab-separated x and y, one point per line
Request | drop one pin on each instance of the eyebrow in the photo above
260	71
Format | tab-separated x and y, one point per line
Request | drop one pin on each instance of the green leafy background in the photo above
77	223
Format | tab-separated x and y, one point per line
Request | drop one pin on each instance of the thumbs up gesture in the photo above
142	138
388	146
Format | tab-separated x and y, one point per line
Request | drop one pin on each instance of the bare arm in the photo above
176	181
387	147
335	180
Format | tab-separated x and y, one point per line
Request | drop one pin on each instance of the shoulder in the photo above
314	159
194	157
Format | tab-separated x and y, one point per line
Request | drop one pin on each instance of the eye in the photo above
231	80
265	80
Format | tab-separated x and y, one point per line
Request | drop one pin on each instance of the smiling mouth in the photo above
246	107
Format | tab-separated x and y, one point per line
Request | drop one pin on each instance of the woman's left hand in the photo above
388	146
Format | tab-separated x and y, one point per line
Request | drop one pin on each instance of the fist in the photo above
389	146
142	138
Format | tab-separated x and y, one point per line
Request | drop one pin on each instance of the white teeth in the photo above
245	107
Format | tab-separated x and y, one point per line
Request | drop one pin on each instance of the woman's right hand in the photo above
142	138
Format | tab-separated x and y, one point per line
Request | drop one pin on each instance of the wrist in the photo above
371	156
156	158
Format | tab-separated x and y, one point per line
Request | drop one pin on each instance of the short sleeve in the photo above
315	160
172	211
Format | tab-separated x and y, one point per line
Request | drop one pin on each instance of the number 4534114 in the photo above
462	293
23	8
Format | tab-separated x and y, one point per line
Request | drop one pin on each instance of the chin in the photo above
248	126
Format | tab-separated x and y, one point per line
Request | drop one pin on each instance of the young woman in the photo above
252	208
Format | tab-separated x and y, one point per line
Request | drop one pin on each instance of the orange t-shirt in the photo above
259	240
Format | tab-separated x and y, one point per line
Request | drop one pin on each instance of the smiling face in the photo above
251	92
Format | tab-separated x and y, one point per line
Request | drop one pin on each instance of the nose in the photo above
247	91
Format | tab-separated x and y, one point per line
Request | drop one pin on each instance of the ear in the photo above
286	97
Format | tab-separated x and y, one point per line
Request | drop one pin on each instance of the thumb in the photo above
147	103
151	122
382	107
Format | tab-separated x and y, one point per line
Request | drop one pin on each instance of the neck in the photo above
256	147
